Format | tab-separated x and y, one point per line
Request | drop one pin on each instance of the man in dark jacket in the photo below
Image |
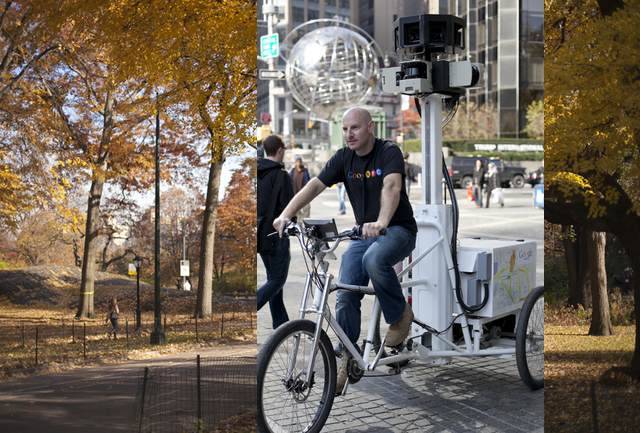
274	193
478	182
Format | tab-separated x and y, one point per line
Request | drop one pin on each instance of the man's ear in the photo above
370	128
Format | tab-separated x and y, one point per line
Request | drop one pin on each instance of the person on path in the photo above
299	178
274	193
112	316
478	182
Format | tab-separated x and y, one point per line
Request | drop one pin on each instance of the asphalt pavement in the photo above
467	395
101	399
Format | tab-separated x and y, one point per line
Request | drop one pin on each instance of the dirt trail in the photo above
96	399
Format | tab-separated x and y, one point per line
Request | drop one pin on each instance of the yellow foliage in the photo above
592	100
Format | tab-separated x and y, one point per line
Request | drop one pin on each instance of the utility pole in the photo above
157	336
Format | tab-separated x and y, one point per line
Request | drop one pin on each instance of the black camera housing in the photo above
430	34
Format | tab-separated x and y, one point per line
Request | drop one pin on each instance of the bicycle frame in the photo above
320	307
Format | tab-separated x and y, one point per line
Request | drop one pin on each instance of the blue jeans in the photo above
342	207
373	259
276	263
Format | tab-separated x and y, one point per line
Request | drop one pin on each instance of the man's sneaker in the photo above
343	374
400	330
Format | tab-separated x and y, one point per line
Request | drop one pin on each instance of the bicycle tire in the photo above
532	333
270	382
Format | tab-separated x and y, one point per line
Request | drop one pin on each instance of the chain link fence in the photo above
203	396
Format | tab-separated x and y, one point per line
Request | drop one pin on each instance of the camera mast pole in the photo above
431	138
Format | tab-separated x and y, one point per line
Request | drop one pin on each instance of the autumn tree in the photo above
592	101
535	119
472	121
26	41
205	57
236	231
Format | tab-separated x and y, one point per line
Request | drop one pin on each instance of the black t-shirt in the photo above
363	176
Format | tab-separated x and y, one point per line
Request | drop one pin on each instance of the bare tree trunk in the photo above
601	318
207	243
571	260
87	283
578	269
585	244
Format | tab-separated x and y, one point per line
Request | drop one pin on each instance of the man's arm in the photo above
300	200
389	199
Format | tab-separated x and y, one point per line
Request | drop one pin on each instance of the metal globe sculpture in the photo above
332	67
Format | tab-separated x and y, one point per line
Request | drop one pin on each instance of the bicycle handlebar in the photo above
355	233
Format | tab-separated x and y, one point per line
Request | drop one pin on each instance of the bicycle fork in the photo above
319	306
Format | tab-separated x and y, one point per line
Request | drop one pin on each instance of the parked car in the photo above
536	177
461	171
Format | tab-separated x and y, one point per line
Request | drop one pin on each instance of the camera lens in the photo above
411	34
411	73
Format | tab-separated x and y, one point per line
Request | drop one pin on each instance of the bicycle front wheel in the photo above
530	340
288	400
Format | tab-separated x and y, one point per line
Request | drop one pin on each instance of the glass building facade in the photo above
507	37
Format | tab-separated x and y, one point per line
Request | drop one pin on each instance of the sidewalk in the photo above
96	399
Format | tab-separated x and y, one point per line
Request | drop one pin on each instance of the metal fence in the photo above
202	396
33	343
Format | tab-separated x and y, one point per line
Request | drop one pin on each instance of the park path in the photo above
98	399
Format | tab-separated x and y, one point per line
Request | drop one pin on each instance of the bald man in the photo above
372	171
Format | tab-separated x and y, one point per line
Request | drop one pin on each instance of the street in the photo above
478	394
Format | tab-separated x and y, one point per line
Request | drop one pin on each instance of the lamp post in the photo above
137	261
157	336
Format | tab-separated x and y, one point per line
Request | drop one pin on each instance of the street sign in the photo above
271	74
184	268
269	46
132	270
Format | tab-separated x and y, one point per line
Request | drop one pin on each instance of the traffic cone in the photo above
470	193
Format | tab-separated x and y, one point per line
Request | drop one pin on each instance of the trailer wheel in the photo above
530	340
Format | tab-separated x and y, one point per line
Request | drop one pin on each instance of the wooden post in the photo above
196	328
36	345
222	324
84	341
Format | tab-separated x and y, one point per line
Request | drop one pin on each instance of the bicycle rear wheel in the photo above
287	401
530	340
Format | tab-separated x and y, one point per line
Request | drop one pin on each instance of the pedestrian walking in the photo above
410	173
478	182
112	316
299	178
342	207
274	193
494	190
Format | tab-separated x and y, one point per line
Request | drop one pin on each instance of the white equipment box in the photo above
508	267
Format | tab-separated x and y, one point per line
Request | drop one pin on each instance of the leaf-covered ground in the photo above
61	338
586	385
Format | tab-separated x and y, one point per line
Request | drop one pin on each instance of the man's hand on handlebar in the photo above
281	223
371	230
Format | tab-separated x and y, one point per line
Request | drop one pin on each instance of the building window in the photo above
298	15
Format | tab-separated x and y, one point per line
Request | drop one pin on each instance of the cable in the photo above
454	238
